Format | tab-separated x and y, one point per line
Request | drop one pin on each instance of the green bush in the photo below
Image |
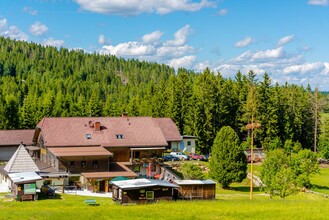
191	171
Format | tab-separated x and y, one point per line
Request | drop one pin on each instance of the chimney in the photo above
97	126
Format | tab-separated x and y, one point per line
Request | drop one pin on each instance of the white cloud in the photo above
130	49
38	29
243	43
185	62
326	69
262	55
53	42
136	7
102	40
280	65
152	37
12	32
304	68
269	54
178	51
180	37
223	12
30	10
202	66
3	23
318	2
286	40
15	33
175	52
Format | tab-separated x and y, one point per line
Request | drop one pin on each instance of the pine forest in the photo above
38	81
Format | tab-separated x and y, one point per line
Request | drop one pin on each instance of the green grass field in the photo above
229	204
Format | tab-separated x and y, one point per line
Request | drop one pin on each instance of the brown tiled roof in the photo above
15	137
118	169
79	151
43	167
135	131
169	129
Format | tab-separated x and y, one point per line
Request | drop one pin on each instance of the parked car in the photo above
194	156
180	155
170	158
207	156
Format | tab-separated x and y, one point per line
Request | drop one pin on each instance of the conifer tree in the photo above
228	162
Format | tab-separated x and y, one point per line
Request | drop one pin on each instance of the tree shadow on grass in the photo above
244	189
319	187
42	196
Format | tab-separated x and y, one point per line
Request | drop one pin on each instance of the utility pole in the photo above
252	155
252	110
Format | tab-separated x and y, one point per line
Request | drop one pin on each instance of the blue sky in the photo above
288	39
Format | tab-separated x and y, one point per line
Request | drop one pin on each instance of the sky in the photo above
287	39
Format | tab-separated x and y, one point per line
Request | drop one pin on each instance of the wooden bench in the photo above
91	202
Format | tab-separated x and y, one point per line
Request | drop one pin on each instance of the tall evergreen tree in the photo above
228	162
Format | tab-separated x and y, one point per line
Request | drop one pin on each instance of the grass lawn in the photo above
303	206
229	204
320	181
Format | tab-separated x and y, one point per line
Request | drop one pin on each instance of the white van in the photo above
180	155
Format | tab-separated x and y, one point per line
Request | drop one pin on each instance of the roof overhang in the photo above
194	182
95	175
32	148
25	177
53	174
140	183
147	148
79	151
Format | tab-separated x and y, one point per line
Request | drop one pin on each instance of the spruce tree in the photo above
228	162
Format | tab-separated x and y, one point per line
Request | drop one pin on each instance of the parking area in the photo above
4	188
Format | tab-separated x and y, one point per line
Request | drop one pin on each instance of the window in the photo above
149	195
120	136
83	163
137	154
71	163
88	136
188	143
95	163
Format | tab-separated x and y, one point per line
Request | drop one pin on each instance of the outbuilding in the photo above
24	185
141	191
196	189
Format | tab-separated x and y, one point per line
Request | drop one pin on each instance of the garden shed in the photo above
24	185
196	189
141	191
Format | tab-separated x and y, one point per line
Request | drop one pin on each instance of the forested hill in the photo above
38	81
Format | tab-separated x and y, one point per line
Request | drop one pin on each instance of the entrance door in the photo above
102	186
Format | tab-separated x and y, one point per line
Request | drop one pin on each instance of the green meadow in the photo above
229	204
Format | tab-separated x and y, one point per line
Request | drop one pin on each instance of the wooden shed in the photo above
141	191
24	185
196	189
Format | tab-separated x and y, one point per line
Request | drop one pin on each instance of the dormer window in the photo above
120	136
88	136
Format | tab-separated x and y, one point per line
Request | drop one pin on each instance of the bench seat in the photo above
91	202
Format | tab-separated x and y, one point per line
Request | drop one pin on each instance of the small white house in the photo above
187	143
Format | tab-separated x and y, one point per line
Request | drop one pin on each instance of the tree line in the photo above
38	81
